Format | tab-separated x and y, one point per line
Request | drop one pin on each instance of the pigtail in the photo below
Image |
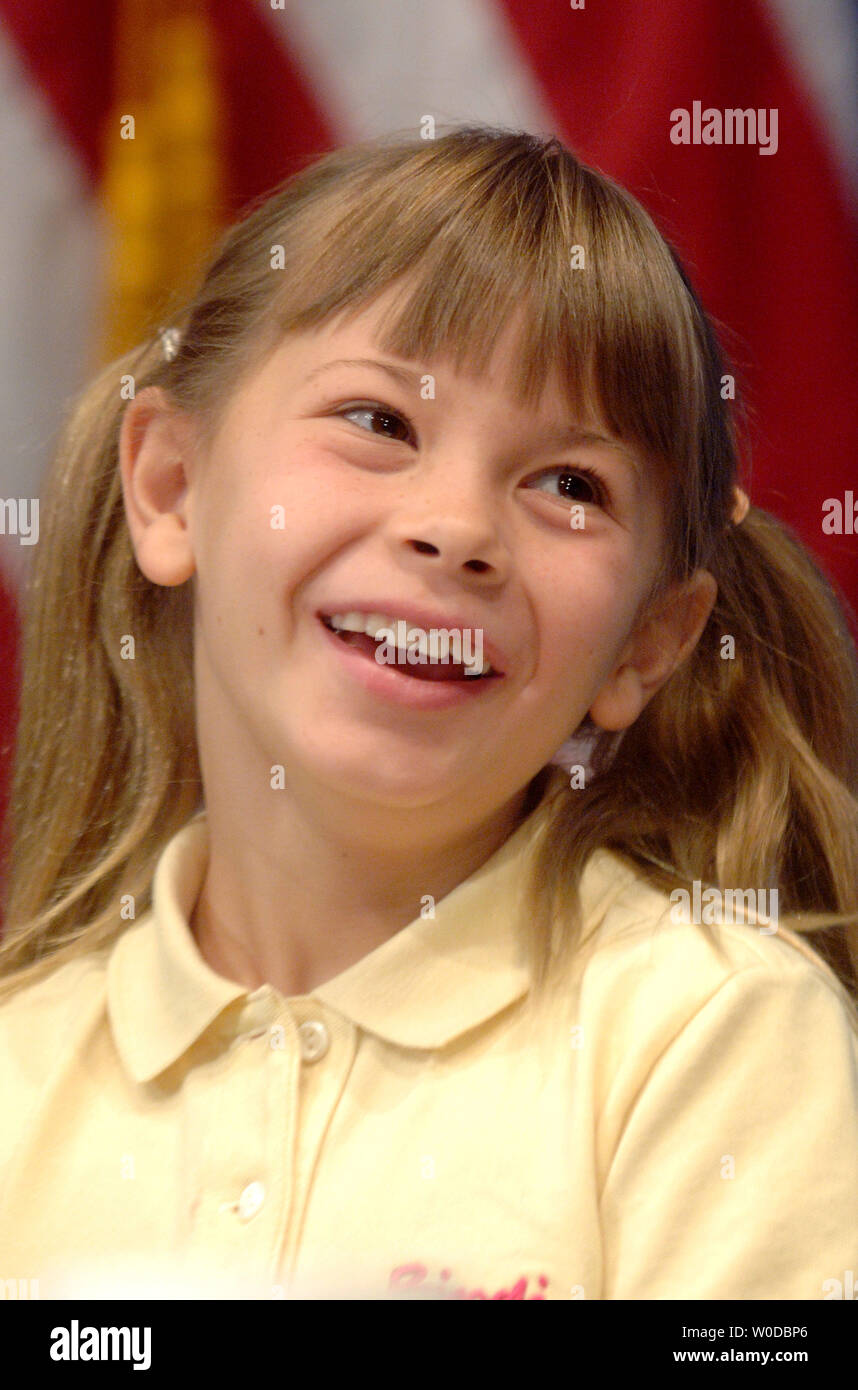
742	771
105	750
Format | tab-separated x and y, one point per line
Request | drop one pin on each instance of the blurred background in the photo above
229	96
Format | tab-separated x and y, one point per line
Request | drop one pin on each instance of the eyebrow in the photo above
563	437
403	374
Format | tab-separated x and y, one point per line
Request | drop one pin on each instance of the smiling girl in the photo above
330	976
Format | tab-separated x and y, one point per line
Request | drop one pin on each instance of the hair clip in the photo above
170	341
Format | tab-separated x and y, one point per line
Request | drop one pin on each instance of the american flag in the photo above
229	96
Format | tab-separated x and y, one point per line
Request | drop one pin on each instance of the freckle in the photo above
261	631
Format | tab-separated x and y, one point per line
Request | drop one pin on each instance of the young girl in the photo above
327	975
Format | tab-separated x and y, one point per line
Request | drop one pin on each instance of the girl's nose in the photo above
452	542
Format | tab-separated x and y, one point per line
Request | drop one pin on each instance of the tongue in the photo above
422	671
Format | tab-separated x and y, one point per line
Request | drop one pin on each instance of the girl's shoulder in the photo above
678	951
54	1009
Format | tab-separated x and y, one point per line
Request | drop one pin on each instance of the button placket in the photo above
256	1203
253	1024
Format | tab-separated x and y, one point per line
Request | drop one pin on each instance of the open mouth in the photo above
426	670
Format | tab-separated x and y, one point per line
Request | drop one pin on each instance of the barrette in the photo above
170	341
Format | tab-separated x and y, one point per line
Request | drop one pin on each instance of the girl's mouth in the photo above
448	672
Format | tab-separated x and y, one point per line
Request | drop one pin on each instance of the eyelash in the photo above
601	495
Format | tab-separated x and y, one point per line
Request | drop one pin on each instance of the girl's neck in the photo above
293	905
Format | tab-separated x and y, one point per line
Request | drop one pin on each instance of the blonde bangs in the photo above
479	232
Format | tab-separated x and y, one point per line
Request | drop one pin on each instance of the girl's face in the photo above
334	486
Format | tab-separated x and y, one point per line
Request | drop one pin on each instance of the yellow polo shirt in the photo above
686	1127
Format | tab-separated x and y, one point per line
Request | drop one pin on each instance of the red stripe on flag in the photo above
271	120
68	51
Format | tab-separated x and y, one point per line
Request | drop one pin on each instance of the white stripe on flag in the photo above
50	246
381	67
823	42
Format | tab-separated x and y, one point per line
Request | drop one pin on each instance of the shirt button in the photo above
315	1040
251	1200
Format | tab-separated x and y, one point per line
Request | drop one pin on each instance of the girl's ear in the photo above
156	446
659	644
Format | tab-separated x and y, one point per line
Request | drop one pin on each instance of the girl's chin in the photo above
387	778
405	793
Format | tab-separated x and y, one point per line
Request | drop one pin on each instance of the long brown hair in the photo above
739	771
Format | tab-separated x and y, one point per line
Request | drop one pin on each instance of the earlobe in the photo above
652	654
163	550
155	487
620	700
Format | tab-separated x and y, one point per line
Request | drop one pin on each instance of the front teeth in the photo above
372	624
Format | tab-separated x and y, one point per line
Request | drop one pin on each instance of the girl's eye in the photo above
381	412
569	481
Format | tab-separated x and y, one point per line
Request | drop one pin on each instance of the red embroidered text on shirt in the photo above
408	1278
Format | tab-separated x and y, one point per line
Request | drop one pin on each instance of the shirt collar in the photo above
431	981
